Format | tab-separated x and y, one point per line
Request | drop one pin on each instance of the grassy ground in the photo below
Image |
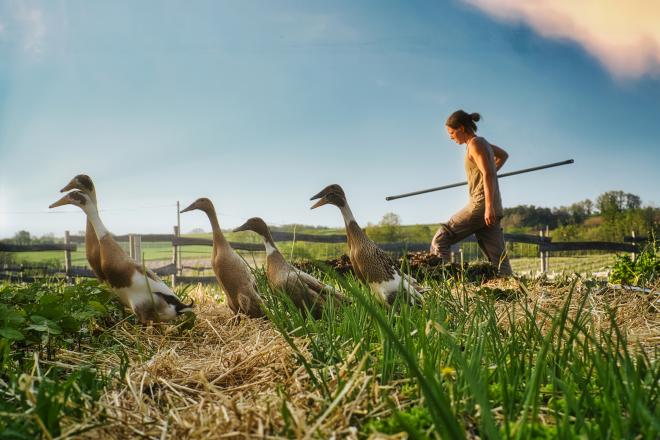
512	359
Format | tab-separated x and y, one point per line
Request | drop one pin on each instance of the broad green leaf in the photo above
42	324
97	306
37	327
50	299
10	333
13	317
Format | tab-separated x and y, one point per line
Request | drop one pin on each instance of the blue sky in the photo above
260	104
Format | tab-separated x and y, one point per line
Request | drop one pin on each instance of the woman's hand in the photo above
489	215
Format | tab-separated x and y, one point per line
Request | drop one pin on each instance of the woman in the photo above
484	211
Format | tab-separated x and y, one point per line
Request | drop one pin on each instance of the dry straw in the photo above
225	378
230	377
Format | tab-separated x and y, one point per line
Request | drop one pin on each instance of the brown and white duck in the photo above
303	289
370	263
84	183
136	286
231	271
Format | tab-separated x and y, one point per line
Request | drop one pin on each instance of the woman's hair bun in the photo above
461	118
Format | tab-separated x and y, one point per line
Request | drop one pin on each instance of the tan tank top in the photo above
476	182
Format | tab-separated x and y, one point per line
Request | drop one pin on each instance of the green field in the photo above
513	359
524	257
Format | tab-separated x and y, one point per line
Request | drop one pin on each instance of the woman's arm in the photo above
479	154
500	156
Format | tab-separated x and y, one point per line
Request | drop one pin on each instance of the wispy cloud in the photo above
24	23
623	36
33	25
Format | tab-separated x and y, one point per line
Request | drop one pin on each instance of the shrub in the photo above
641	271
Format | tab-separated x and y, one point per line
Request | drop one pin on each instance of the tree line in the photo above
614	215
611	217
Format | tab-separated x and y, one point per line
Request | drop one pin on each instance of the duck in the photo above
137	287
232	272
371	264
304	290
83	182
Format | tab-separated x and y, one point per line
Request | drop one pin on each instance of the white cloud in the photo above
623	35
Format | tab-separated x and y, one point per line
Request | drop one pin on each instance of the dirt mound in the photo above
422	265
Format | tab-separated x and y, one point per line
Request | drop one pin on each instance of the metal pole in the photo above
541	260
178	214
175	257
178	230
67	256
499	176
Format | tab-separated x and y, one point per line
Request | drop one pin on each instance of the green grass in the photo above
546	375
453	368
36	321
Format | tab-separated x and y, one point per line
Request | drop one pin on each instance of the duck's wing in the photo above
409	282
151	297
317	287
311	282
384	276
151	274
374	264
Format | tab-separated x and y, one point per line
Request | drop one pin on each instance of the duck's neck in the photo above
92	195
269	244
218	237
93	217
354	233
347	215
90	229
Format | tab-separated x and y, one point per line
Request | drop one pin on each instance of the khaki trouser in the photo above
468	221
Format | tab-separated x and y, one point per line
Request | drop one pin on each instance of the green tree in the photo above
387	230
611	203
22	238
633	201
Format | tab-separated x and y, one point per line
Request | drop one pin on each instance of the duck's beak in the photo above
322	200
66	200
71	185
243	227
192	207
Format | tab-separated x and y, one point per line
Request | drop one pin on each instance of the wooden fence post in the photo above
453	250
67	257
543	261
137	244
546	254
633	255
131	246
175	257
135	248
